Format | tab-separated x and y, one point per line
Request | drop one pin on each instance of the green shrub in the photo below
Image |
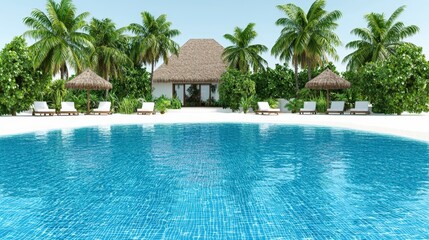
294	105
114	100
56	93
247	102
274	103
175	103
307	94
321	104
20	84
275	83
135	83
162	104
398	84
234	86
128	105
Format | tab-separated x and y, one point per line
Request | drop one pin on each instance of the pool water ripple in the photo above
213	181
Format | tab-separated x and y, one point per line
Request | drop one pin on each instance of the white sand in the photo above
415	126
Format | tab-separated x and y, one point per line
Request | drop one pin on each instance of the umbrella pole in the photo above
327	97
87	95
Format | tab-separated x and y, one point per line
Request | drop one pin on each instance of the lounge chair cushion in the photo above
264	107
360	107
68	107
309	107
337	107
42	107
147	107
103	107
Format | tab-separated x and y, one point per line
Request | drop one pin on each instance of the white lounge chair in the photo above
264	107
336	107
103	107
309	107
42	108
360	107
147	108
68	108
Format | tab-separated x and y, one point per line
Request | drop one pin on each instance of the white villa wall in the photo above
160	89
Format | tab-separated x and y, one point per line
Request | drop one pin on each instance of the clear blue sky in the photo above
212	19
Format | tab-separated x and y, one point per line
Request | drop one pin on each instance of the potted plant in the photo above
294	105
162	104
247	103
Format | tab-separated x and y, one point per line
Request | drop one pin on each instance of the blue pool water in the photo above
218	181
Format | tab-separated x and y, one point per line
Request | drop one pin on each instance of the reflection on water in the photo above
264	127
213	181
41	135
104	130
148	128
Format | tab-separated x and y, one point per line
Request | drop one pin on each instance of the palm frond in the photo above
379	40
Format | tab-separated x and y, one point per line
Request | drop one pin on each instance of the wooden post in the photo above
88	96
327	97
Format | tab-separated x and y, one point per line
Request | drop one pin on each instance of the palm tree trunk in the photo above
296	80
309	69
63	72
107	90
151	78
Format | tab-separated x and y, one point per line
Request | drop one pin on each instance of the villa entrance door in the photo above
193	95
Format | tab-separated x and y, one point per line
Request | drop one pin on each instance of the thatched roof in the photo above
199	61
88	80
328	80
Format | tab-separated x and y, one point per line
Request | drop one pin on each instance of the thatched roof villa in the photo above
193	77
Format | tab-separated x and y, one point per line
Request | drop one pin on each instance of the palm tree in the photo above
153	41
59	41
241	55
307	39
110	44
379	40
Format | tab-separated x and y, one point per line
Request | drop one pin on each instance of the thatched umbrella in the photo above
328	80
88	80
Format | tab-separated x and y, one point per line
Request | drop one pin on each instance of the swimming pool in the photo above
212	181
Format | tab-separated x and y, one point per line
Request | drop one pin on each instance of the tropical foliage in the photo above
135	83
56	93
20	84
379	40
307	39
243	55
64	41
294	105
110	45
128	105
236	87
397	84
274	83
153	41
162	104
60	43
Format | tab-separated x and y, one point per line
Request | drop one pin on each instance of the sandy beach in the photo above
414	126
